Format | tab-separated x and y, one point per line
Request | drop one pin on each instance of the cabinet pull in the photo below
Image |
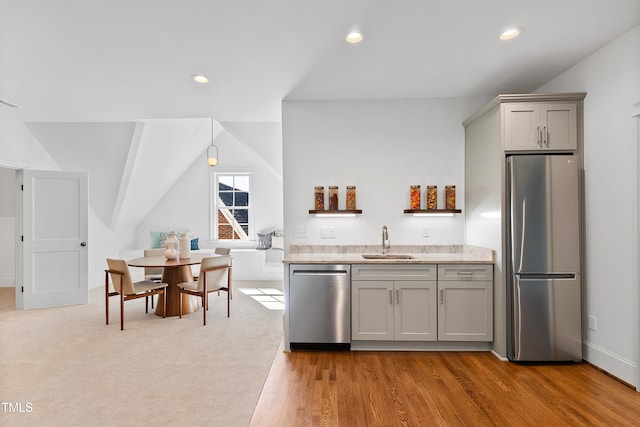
545	137
539	135
390	296
465	273
397	296
441	296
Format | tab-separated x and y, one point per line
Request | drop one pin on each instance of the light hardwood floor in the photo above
341	388
7	298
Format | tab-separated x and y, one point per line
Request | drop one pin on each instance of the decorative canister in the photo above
450	196
319	198
414	202
351	197
172	246
333	197
170	253
432	197
184	245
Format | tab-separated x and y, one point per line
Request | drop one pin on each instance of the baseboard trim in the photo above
611	363
503	358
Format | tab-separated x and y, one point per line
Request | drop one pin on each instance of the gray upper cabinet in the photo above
540	126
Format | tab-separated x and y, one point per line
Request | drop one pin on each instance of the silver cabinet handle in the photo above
397	296
539	134
465	273
441	296
545	137
390	296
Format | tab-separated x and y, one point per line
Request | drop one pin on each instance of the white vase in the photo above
172	246
170	253
185	247
173	239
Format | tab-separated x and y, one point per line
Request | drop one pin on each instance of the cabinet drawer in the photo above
394	272
465	272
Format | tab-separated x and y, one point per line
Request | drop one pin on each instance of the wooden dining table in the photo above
174	271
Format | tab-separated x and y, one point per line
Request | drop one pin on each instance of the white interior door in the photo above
54	239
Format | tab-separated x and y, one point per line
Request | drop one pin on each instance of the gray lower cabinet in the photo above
465	302
393	303
422	302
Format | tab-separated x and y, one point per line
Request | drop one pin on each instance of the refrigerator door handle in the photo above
517	247
520	249
517	322
545	276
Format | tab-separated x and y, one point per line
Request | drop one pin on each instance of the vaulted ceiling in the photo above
124	60
110	81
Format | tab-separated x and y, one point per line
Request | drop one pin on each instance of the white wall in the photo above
20	150
611	78
185	207
7	227
382	147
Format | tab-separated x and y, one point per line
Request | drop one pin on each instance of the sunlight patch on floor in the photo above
271	298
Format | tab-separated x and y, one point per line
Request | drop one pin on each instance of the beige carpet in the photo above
73	370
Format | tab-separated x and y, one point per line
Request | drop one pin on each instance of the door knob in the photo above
83	244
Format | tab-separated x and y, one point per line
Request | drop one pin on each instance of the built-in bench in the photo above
248	263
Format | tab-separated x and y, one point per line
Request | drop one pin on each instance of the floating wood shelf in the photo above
432	211
338	212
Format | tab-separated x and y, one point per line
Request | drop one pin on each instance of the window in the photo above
231	207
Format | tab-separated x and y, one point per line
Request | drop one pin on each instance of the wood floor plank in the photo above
343	388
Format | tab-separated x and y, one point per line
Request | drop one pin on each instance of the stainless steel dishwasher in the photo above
319	304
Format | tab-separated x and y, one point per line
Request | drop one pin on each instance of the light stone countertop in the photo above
422	254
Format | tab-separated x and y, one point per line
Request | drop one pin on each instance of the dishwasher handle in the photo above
320	272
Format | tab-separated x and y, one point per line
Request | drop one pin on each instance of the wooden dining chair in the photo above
218	251
213	272
224	251
127	289
153	274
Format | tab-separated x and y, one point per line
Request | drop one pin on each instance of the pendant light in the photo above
212	150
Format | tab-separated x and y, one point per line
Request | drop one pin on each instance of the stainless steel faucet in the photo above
386	245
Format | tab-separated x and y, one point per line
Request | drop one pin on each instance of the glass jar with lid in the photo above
333	197
432	197
414	201
351	197
319	198
450	197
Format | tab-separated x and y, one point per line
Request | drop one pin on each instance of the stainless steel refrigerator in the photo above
544	290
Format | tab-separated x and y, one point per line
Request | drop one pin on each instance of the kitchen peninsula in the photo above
415	297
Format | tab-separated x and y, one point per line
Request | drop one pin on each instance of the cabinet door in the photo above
559	126
540	126
415	316
465	311
372	310
521	126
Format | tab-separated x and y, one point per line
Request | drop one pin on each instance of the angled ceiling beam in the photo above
126	173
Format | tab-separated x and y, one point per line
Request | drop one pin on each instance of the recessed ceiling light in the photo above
199	78
354	37
510	33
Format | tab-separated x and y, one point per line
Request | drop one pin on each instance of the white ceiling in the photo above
124	60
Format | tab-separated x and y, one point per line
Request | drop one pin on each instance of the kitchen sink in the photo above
386	256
